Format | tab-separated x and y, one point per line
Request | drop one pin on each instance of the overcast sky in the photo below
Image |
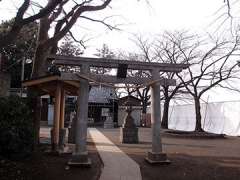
160	15
139	17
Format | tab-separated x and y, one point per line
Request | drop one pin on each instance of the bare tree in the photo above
20	20
212	68
170	48
48	45
165	49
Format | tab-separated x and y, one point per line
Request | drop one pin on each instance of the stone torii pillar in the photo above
80	155
156	155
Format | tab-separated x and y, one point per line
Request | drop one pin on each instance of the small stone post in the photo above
156	155
80	155
72	128
108	123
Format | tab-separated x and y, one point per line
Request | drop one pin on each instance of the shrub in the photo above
16	127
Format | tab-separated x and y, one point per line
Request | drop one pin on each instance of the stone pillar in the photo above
62	130
108	123
80	155
72	128
55	132
156	155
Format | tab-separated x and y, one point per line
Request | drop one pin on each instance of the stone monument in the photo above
129	131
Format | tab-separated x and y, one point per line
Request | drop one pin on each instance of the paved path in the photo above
117	165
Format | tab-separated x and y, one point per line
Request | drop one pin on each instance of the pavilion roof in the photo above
47	85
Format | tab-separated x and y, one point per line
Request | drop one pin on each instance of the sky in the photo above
146	19
138	17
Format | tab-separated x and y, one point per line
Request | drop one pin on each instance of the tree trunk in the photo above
144	107
34	102
39	69
144	111
39	64
198	127
42	50
164	123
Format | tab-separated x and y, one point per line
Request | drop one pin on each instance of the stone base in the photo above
108	125
62	138
129	135
65	150
52	152
80	161
157	158
71	135
59	152
54	147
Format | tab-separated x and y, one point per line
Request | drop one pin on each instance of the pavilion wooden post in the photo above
62	116
156	155
55	133
62	130
80	155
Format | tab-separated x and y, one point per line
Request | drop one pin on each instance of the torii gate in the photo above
82	80
156	155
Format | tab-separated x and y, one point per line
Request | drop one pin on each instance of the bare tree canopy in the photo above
63	20
214	65
20	20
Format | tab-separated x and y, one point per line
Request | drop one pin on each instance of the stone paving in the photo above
117	165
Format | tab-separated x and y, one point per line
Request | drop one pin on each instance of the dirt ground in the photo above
43	166
191	159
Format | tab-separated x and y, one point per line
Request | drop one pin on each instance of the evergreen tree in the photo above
22	48
69	48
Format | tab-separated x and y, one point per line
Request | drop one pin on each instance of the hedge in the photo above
16	127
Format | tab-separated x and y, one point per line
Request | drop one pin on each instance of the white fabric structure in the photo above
219	117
